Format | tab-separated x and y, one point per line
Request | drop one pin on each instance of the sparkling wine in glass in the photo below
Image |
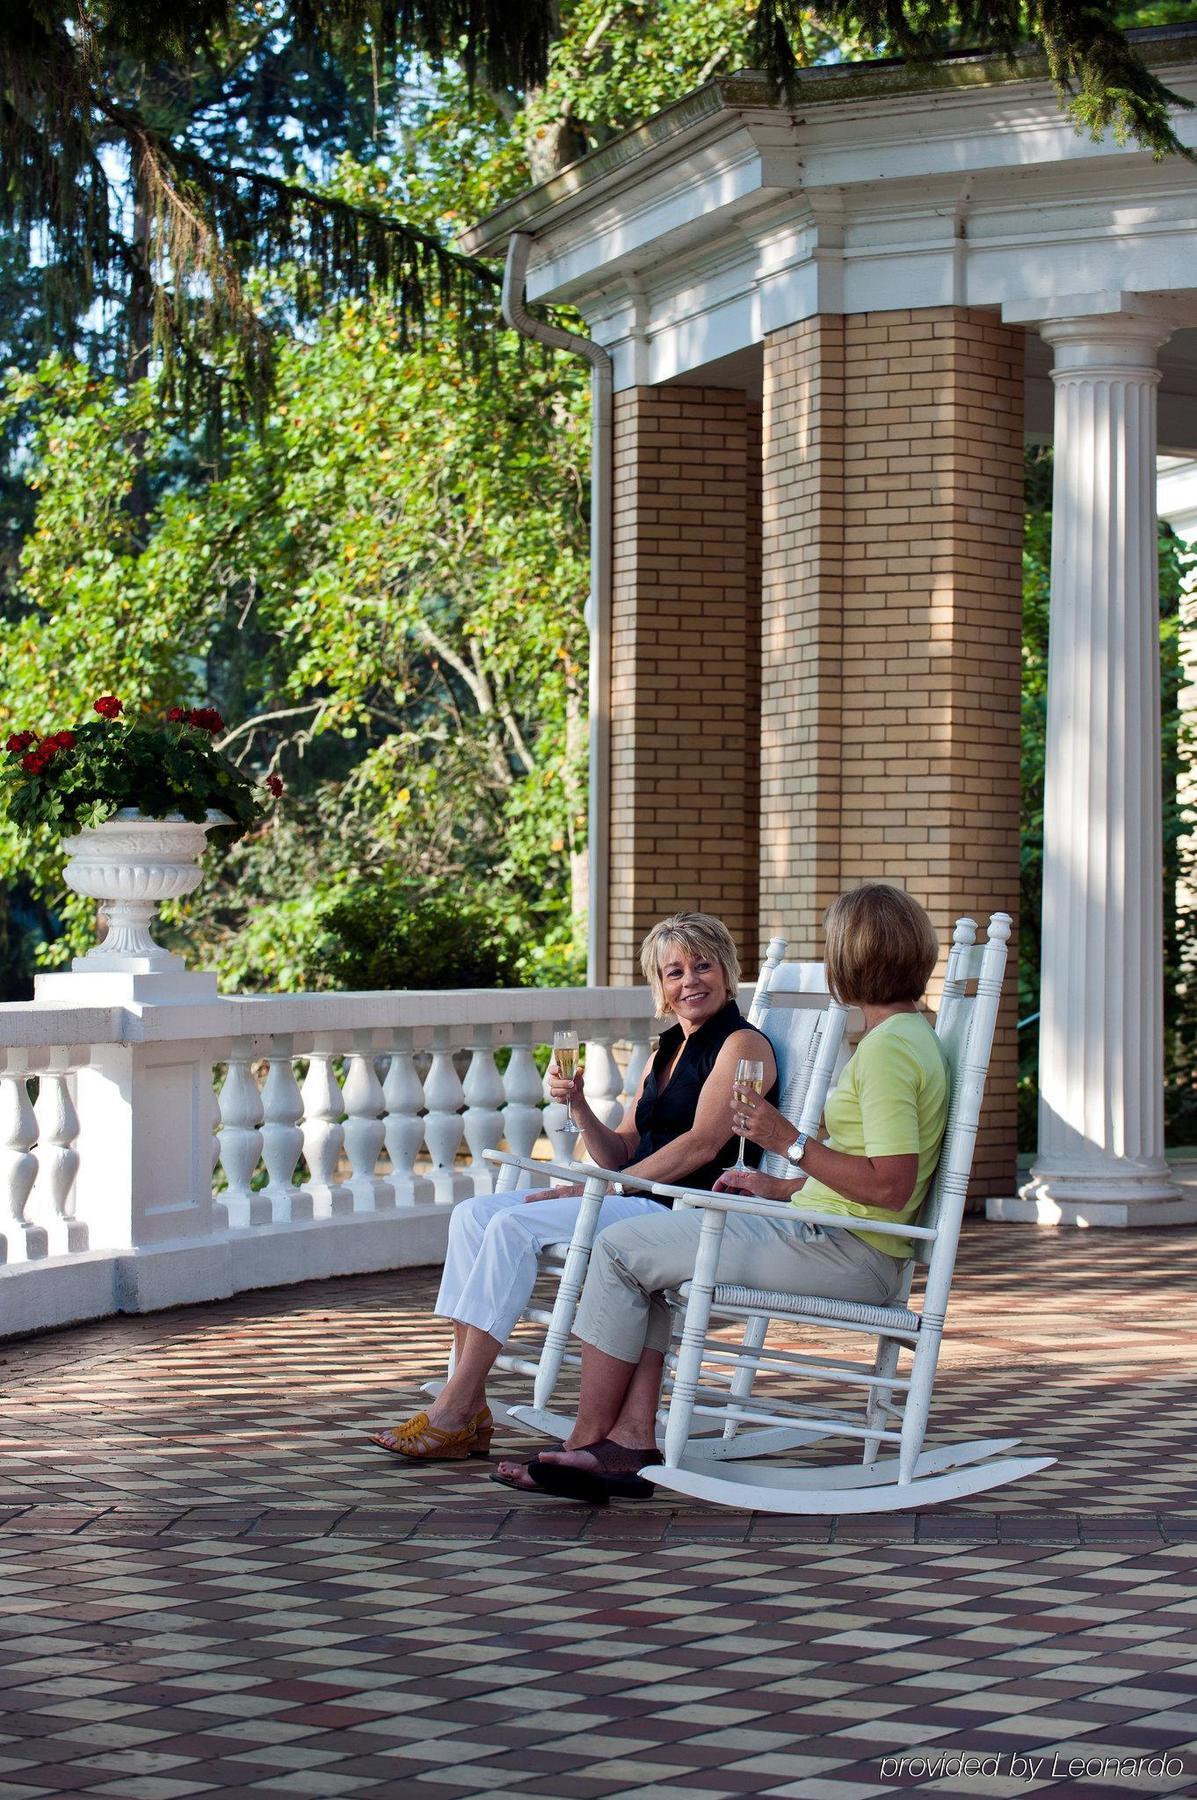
751	1075
565	1055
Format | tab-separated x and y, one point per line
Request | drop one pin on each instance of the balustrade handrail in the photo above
34	1024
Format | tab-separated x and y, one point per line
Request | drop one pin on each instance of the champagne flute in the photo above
565	1055
749	1075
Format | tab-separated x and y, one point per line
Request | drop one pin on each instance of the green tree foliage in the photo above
384	590
1179	760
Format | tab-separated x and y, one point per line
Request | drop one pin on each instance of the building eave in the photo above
746	96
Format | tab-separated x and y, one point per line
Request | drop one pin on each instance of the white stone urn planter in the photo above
130	864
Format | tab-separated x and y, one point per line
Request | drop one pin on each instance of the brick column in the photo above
892	631
685	632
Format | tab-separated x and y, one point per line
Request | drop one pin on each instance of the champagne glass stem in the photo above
739	1162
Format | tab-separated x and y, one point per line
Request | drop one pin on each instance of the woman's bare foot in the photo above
515	1474
607	1457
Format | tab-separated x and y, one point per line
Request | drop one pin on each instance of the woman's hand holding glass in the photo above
567	1092
754	1118
565	1075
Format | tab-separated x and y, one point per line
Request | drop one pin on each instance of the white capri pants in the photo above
494	1241
622	1310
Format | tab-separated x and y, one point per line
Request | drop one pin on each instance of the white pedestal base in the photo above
1035	1206
114	988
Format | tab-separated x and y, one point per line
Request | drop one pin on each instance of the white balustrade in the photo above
18	1167
443	1126
113	1152
403	1126
282	1139
603	1082
636	1065
482	1122
522	1087
57	1164
324	1137
365	1131
241	1140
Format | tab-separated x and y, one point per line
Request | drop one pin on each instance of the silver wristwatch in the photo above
797	1149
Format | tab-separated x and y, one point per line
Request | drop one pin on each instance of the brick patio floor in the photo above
209	1581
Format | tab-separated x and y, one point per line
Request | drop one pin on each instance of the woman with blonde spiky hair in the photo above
675	1129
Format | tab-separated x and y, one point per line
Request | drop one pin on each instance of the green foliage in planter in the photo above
71	779
401	939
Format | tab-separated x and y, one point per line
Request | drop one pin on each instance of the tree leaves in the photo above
1102	80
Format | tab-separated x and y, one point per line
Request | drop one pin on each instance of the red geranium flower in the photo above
176	714
21	740
108	706
274	783
62	740
36	760
206	718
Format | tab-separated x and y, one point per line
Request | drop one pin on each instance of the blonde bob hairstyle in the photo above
879	946
694	934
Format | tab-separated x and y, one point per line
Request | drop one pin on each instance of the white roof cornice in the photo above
884	187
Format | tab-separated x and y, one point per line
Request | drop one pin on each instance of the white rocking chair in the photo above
712	1469
807	1042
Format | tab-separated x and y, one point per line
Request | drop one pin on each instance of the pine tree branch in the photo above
1103	82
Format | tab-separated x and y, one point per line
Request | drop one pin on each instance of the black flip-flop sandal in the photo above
596	1486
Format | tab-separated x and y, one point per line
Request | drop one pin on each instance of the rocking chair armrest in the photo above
560	1171
644	1184
772	1209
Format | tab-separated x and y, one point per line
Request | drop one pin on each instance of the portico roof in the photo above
960	182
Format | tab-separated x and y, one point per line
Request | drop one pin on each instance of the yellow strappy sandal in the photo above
421	1441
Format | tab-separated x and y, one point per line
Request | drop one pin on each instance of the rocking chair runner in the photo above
807	1042
917	1476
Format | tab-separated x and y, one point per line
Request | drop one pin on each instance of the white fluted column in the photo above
1101	1116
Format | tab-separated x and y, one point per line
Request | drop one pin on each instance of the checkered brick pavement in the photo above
210	1582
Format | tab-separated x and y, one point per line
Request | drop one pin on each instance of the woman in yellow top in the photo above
886	1122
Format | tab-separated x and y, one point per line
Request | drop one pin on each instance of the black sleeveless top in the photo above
661	1117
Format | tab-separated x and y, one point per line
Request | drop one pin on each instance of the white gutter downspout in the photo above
598	606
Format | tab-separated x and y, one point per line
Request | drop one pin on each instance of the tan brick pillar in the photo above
892	631
685	649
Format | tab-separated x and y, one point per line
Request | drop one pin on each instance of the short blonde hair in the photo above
879	946
697	934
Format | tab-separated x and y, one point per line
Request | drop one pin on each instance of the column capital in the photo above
1106	343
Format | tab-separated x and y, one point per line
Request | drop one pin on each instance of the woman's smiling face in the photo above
695	987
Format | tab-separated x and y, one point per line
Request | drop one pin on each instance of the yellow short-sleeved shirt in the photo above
891	1100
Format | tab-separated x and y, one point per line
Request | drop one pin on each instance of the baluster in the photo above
522	1115
641	1051
282	1140
562	1136
212	1101
443	1128
57	1164
364	1128
403	1127
603	1081
241	1140
18	1167
482	1121
323	1137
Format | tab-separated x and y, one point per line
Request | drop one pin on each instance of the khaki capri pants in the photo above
623	1312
